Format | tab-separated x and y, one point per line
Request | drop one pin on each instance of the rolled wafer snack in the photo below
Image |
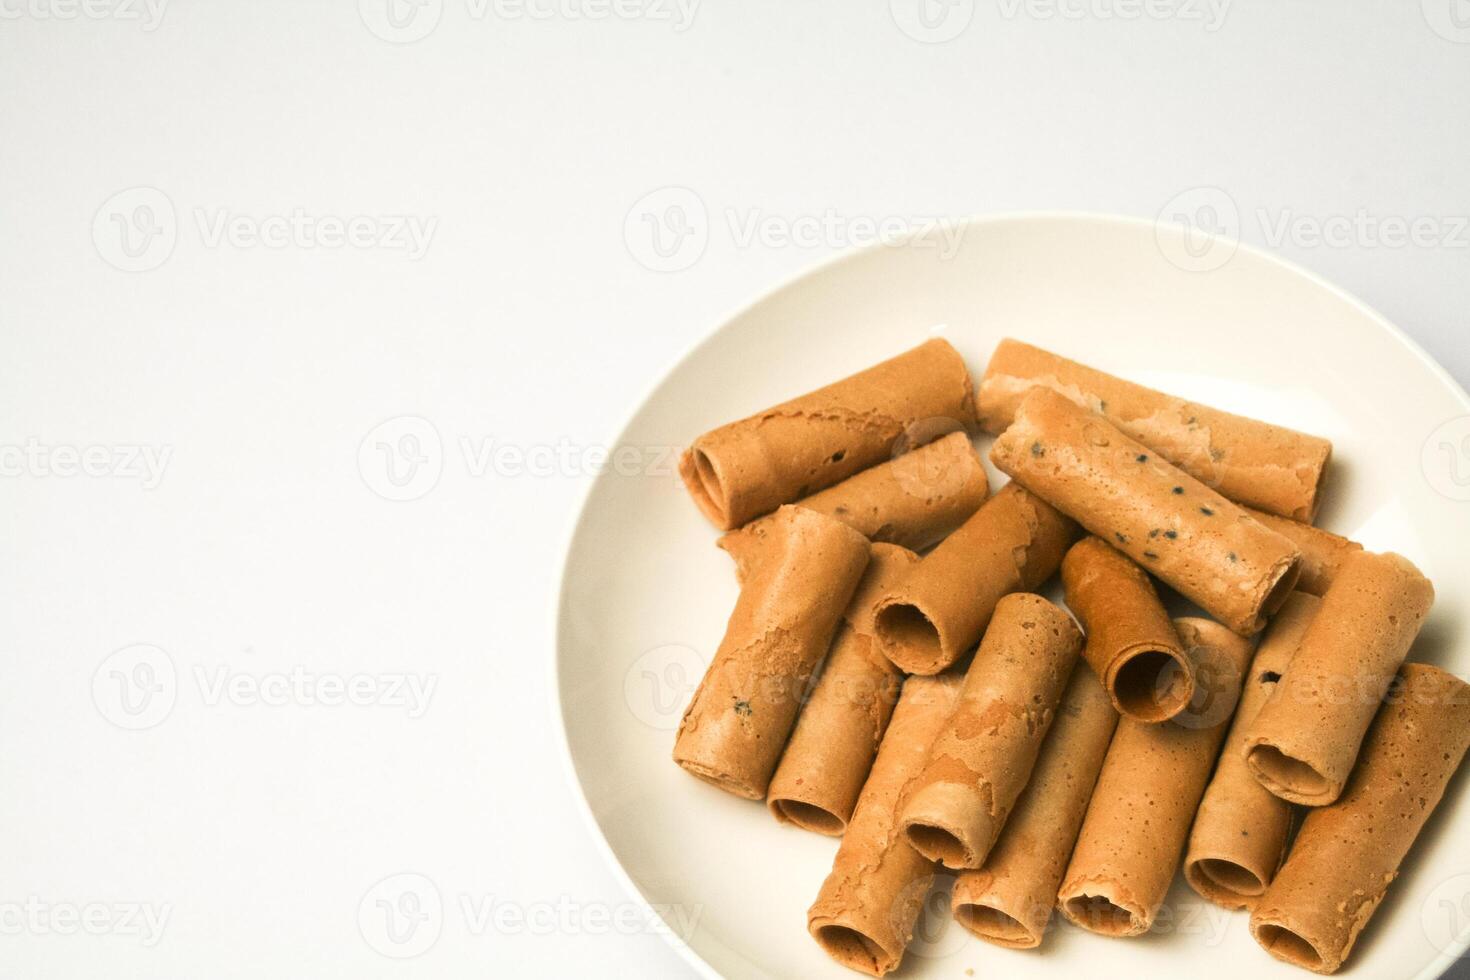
750	467
913	500
1240	831
1264	466
864	915
1303	743
983	757
1347	854
1131	643
1322	551
735	727
1147	793
837	733
939	610
1009	900
1172	525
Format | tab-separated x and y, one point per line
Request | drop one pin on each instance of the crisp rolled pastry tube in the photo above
984	755
1322	551
837	733
748	468
1147	793
1347	854
913	500
864	915
939	610
1240	831
735	727
1131	643
1304	741
1264	466
1009	900
1169	523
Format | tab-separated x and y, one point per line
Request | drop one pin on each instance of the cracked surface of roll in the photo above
1347	854
985	753
913	500
736	726
1254	463
1304	741
1171	525
940	608
838	732
1322	551
865	913
748	468
1239	834
1010	899
1148	791
1131	643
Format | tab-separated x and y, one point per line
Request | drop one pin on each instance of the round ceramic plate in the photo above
645	593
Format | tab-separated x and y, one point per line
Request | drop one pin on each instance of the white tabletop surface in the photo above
242	687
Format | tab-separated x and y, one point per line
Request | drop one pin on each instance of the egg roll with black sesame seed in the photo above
1204	546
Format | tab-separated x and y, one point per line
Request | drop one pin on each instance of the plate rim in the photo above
1434	970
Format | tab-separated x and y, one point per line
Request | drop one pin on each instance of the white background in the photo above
522	142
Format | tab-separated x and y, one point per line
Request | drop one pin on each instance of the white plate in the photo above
645	593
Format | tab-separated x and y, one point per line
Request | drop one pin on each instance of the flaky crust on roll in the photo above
1169	523
748	468
939	610
734	729
1263	466
1131	643
1347	854
1303	743
1322	551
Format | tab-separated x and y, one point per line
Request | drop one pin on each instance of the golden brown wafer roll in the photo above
734	729
1009	901
838	731
1265	466
912	500
939	610
1147	793
1131	643
1240	831
982	759
1346	854
751	467
1172	525
864	915
1322	551
1304	741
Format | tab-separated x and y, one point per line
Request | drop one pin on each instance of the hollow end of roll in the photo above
1281	589
1289	778
1286	945
909	638
852	949
1152	685
1221	880
995	926
808	816
940	844
707	487
1099	914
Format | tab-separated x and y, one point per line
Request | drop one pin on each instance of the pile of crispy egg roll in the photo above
890	676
